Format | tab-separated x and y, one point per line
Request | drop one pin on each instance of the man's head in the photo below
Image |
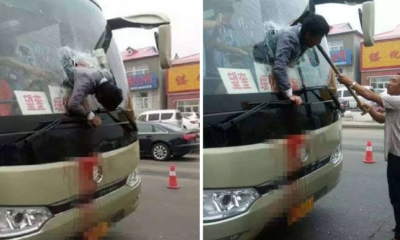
109	96
313	29
393	87
225	8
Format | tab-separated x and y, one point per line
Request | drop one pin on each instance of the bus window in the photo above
154	117
244	44
36	51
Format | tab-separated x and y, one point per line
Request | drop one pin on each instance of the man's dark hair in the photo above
316	25
109	95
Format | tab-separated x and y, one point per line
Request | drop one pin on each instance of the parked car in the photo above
170	116
344	106
191	115
344	94
162	140
191	121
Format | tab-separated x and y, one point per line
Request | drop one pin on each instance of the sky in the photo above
186	22
387	14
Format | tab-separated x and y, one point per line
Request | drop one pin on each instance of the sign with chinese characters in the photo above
57	99
33	103
142	81
238	81
342	57
184	78
384	54
266	79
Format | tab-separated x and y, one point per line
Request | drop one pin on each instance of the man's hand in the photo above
380	109
296	99
365	106
345	80
96	121
219	20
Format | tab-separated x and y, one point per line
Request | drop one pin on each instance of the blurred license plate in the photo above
300	211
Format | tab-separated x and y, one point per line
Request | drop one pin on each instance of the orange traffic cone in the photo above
369	158
173	181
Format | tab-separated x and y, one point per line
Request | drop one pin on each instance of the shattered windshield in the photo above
240	43
38	40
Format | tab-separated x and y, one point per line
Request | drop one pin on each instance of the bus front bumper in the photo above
108	209
272	206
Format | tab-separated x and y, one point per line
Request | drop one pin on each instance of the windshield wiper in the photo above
131	123
307	89
225	126
35	135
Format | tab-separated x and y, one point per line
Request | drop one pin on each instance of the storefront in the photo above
143	88
143	73
183	84
381	61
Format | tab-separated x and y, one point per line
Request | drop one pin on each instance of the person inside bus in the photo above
13	73
291	43
215	47
391	104
87	81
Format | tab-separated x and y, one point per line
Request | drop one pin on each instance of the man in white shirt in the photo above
391	119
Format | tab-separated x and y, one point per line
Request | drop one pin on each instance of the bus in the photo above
43	180
265	159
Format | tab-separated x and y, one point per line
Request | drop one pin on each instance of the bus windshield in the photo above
36	38
239	47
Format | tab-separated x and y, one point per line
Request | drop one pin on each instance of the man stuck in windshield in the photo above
90	81
291	43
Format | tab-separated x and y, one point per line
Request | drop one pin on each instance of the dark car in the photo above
161	140
344	106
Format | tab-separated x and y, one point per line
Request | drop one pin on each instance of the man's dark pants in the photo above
393	176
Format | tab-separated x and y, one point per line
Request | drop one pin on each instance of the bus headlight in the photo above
336	155
133	178
21	221
221	204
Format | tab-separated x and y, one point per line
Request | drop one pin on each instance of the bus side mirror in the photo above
367	19
163	41
150	21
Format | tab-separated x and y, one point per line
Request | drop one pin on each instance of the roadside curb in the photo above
362	125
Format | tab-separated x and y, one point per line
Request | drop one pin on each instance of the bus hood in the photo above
52	183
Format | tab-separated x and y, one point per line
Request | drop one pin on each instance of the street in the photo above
358	208
164	213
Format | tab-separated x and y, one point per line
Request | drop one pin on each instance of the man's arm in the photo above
75	103
282	56
378	117
83	86
362	91
229	49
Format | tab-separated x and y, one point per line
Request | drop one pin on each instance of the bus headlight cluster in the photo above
133	178
337	155
21	221
221	204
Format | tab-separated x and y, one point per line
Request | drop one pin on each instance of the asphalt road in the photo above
164	213
358	208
